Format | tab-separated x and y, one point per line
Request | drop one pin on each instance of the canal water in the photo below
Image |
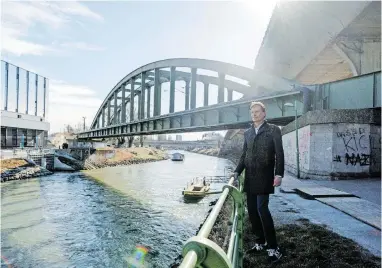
97	218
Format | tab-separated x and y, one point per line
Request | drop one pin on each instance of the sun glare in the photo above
260	5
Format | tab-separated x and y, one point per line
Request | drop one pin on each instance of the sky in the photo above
85	48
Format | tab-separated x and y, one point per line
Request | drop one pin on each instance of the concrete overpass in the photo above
334	49
315	42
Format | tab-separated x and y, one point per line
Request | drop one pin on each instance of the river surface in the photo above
97	218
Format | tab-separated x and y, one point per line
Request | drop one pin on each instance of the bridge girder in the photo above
231	115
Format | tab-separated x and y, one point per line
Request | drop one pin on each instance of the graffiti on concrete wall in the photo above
355	146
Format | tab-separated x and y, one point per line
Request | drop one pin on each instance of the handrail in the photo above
199	251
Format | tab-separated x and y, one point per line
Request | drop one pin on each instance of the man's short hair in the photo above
254	103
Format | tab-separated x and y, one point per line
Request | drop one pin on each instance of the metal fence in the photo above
199	251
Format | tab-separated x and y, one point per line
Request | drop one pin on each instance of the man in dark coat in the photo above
263	161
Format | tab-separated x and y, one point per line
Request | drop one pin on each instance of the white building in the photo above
23	108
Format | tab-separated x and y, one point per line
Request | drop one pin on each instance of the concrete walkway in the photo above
352	217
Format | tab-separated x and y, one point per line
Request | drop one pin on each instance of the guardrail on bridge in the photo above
199	251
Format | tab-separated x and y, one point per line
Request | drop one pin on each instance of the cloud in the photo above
12	43
74	95
19	19
82	46
69	103
75	8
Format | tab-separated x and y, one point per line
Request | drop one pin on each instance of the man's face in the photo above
257	114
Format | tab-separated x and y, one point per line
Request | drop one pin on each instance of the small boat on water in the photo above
197	189
177	157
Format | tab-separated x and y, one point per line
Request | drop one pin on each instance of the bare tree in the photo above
120	141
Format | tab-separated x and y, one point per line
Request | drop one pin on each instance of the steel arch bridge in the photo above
133	106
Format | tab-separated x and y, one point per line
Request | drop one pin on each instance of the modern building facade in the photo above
24	108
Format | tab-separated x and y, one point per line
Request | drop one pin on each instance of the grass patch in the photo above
309	245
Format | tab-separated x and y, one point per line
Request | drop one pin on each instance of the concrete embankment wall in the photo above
335	144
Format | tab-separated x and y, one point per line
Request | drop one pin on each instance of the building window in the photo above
3	136
14	137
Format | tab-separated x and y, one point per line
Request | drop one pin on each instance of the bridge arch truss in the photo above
127	109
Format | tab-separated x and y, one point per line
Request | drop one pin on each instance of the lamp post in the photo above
296	127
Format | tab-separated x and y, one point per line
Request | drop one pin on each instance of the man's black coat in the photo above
262	158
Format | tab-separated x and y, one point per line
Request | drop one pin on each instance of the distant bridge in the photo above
182	144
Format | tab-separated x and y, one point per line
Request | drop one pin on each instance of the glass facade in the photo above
22	138
23	93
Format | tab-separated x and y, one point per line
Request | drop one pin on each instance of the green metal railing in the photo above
199	251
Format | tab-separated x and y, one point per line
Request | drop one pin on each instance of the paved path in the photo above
368	189
287	206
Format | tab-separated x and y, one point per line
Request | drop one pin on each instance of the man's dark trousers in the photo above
261	219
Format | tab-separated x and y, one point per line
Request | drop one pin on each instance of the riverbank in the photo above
110	157
19	169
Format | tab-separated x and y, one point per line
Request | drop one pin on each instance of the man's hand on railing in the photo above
235	176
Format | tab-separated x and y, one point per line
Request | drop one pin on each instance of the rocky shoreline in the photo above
26	171
124	157
20	168
92	165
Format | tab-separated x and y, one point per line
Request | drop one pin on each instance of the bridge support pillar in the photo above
132	93
103	116
205	102
172	89
123	109
187	95
115	109
142	102
221	88
157	93
139	105
108	112
148	101
229	98
193	88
